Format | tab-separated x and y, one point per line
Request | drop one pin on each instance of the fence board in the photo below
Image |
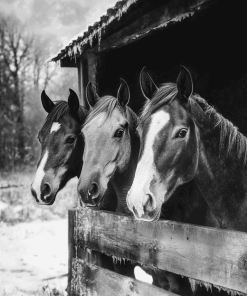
89	279
206	254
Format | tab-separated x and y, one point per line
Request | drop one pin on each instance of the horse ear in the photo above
148	87
91	94
184	83
73	101
46	102
123	93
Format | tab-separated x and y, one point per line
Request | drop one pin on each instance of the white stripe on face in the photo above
145	170
55	127
40	175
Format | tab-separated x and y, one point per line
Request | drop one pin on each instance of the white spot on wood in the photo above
145	169
55	127
142	276
40	175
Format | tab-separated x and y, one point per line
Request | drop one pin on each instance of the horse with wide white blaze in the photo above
184	139
62	147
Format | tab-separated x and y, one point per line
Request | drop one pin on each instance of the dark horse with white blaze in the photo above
184	139
111	147
62	147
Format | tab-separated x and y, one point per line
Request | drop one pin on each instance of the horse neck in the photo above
221	177
123	181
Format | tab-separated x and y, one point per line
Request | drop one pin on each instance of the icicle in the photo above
99	37
75	49
91	40
118	259
192	284
209	287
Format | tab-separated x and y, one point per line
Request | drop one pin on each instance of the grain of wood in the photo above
215	256
154	20
91	280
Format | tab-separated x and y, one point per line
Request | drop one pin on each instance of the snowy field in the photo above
34	256
33	239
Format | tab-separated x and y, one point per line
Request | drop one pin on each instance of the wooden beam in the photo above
215	256
172	12
92	61
89	279
68	63
81	81
71	246
88	255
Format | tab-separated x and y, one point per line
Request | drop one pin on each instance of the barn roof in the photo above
86	38
116	19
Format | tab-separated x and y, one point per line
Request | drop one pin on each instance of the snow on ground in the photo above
32	256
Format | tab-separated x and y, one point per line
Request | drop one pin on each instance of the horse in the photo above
62	147
111	155
183	138
111	147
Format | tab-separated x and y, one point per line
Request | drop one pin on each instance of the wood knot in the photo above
131	286
242	263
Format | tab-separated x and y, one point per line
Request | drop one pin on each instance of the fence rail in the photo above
211	255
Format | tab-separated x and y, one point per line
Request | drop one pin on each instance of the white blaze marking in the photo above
141	275
145	169
40	175
55	127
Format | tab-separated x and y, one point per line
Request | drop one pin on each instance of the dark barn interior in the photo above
212	44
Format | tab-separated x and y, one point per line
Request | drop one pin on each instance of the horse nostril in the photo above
148	203
93	193
46	189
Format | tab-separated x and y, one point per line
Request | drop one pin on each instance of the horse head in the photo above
169	145
62	147
108	132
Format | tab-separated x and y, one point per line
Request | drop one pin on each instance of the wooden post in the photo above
71	247
78	252
81	81
92	60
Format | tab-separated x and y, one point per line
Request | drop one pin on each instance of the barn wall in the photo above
211	44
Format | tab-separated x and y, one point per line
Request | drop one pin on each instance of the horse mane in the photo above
230	138
60	109
107	104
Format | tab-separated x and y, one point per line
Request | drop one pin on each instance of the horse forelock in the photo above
163	96
108	104
231	140
61	109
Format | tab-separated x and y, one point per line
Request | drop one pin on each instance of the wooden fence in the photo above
209	255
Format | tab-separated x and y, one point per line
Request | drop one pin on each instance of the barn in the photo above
209	38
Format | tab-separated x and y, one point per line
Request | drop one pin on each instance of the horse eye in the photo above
70	140
119	133
182	133
39	139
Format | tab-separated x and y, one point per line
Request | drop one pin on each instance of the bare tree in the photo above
23	74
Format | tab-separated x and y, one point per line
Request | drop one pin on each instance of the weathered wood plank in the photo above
89	279
68	63
173	11
81	81
92	61
206	254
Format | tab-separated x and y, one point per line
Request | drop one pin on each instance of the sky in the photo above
57	20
